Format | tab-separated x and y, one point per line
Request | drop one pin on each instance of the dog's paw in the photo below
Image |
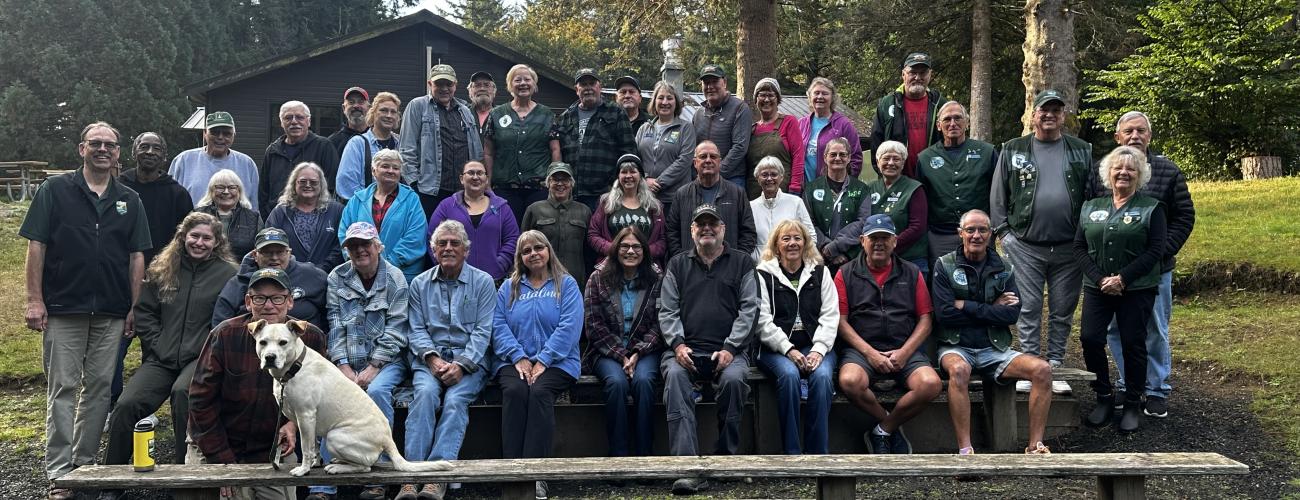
301	470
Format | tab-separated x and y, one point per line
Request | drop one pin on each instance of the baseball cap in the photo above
442	72
878	223
629	158
270	236
481	74
917	59
361	231
269	273
627	80
365	95
712	71
219	119
557	167
705	210
584	73
1047	96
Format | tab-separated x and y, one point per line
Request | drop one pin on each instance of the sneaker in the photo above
898	443
1061	387
1054	363
1038	449
153	419
1023	386
1157	407
408	492
372	493
542	490
876	444
690	485
433	491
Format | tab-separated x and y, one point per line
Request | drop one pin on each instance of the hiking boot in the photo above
1038	449
1132	417
372	493
1157	407
1102	413
433	491
876	444
543	490
690	485
408	492
898	443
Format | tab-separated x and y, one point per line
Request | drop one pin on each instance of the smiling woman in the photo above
227	202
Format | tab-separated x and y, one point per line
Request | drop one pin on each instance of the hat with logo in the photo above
269	273
705	210
1047	96
585	73
917	59
442	72
558	167
712	71
364	95
270	236
219	119
361	230
878	223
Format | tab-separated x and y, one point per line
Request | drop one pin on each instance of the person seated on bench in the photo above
624	339
974	292
798	316
172	327
535	333
879	288
367	309
271	249
707	309
233	413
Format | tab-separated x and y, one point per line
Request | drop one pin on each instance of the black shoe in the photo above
111	494
1102	413
1157	407
876	444
898	443
1119	400
1132	417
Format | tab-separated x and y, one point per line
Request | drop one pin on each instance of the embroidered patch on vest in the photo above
1098	216
121	208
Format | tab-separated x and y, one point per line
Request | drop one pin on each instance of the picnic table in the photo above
26	176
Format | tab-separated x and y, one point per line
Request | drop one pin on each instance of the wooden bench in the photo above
26	176
1119	475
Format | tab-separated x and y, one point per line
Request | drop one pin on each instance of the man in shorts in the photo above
884	320
974	295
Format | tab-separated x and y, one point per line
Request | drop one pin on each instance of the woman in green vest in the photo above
903	200
1119	243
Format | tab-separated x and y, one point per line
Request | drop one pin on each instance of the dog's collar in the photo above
293	369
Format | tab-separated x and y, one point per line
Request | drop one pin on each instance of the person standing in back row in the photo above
907	115
726	121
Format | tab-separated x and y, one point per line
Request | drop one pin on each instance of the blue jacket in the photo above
352	164
421	144
402	232
366	326
535	328
459	332
324	252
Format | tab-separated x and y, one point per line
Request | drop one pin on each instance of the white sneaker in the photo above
153	419
1061	387
1023	386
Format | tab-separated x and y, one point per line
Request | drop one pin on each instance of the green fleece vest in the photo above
1021	178
1117	236
983	289
953	188
893	202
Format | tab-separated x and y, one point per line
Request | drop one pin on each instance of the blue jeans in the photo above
1158	357
816	414
427	437
739	181
642	387
923	265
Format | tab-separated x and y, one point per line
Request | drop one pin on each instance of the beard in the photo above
356	119
482	100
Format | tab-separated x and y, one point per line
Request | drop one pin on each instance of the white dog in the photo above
315	395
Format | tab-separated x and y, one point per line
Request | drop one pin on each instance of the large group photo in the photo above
531	250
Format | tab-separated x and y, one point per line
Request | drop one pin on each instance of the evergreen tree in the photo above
484	17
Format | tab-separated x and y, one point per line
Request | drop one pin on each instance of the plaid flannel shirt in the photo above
608	136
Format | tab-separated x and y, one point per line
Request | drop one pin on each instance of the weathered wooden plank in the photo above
600	468
836	488
1000	414
1121	487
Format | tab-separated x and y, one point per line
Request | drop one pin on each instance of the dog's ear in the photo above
256	326
298	327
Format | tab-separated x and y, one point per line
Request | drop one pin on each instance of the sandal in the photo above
1038	449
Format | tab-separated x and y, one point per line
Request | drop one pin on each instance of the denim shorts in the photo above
983	362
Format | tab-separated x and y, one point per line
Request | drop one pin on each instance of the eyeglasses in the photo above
529	250
111	146
232	188
483	84
630	247
708	156
308	182
294	118
447	243
221	132
474	173
837	154
259	300
976	230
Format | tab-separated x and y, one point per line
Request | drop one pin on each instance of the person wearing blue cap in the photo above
881	288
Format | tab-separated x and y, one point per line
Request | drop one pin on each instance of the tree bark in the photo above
981	72
1049	57
755	45
1261	167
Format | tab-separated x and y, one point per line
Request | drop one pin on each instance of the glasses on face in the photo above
111	146
223	189
561	180
221	132
837	154
629	247
445	243
308	182
536	248
259	300
709	224
708	156
976	230
769	174
294	118
482	85
475	173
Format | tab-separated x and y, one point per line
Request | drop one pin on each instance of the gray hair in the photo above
891	147
825	82
454	228
969	213
1130	116
964	113
385	155
1125	154
226	177
295	104
671	90
289	197
644	196
842	141
770	163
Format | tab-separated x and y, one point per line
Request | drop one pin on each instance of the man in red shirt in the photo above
907	115
885	317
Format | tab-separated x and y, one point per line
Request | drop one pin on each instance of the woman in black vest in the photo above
1119	243
227	201
798	318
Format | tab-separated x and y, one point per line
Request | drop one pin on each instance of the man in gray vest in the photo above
1039	186
724	120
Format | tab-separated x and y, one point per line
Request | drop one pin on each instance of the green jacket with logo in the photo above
1020	178
893	202
955	187
1128	241
955	279
820	200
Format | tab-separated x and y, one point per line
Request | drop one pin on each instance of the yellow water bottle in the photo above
143	446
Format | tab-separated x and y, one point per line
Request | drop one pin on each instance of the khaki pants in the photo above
194	456
79	354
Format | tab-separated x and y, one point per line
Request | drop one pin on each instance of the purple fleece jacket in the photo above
839	126
492	243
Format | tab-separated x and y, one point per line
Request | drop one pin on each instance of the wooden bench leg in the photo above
1121	487
519	490
1000	415
835	488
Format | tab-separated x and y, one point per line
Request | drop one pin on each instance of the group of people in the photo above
511	245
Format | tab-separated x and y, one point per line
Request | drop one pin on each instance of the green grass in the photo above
22	423
20	358
1246	221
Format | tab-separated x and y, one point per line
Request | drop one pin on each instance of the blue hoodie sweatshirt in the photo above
537	326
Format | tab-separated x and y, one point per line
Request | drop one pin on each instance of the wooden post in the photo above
1000	415
1121	487
836	488
519	490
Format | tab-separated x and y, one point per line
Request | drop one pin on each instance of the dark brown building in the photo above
394	56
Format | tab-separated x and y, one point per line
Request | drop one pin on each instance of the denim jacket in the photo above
421	145
366	326
456	328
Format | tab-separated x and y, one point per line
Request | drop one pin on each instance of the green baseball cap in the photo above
712	71
219	119
1047	96
558	167
442	72
917	59
269	273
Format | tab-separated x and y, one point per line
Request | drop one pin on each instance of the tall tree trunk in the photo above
755	45
981	72
1049	57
